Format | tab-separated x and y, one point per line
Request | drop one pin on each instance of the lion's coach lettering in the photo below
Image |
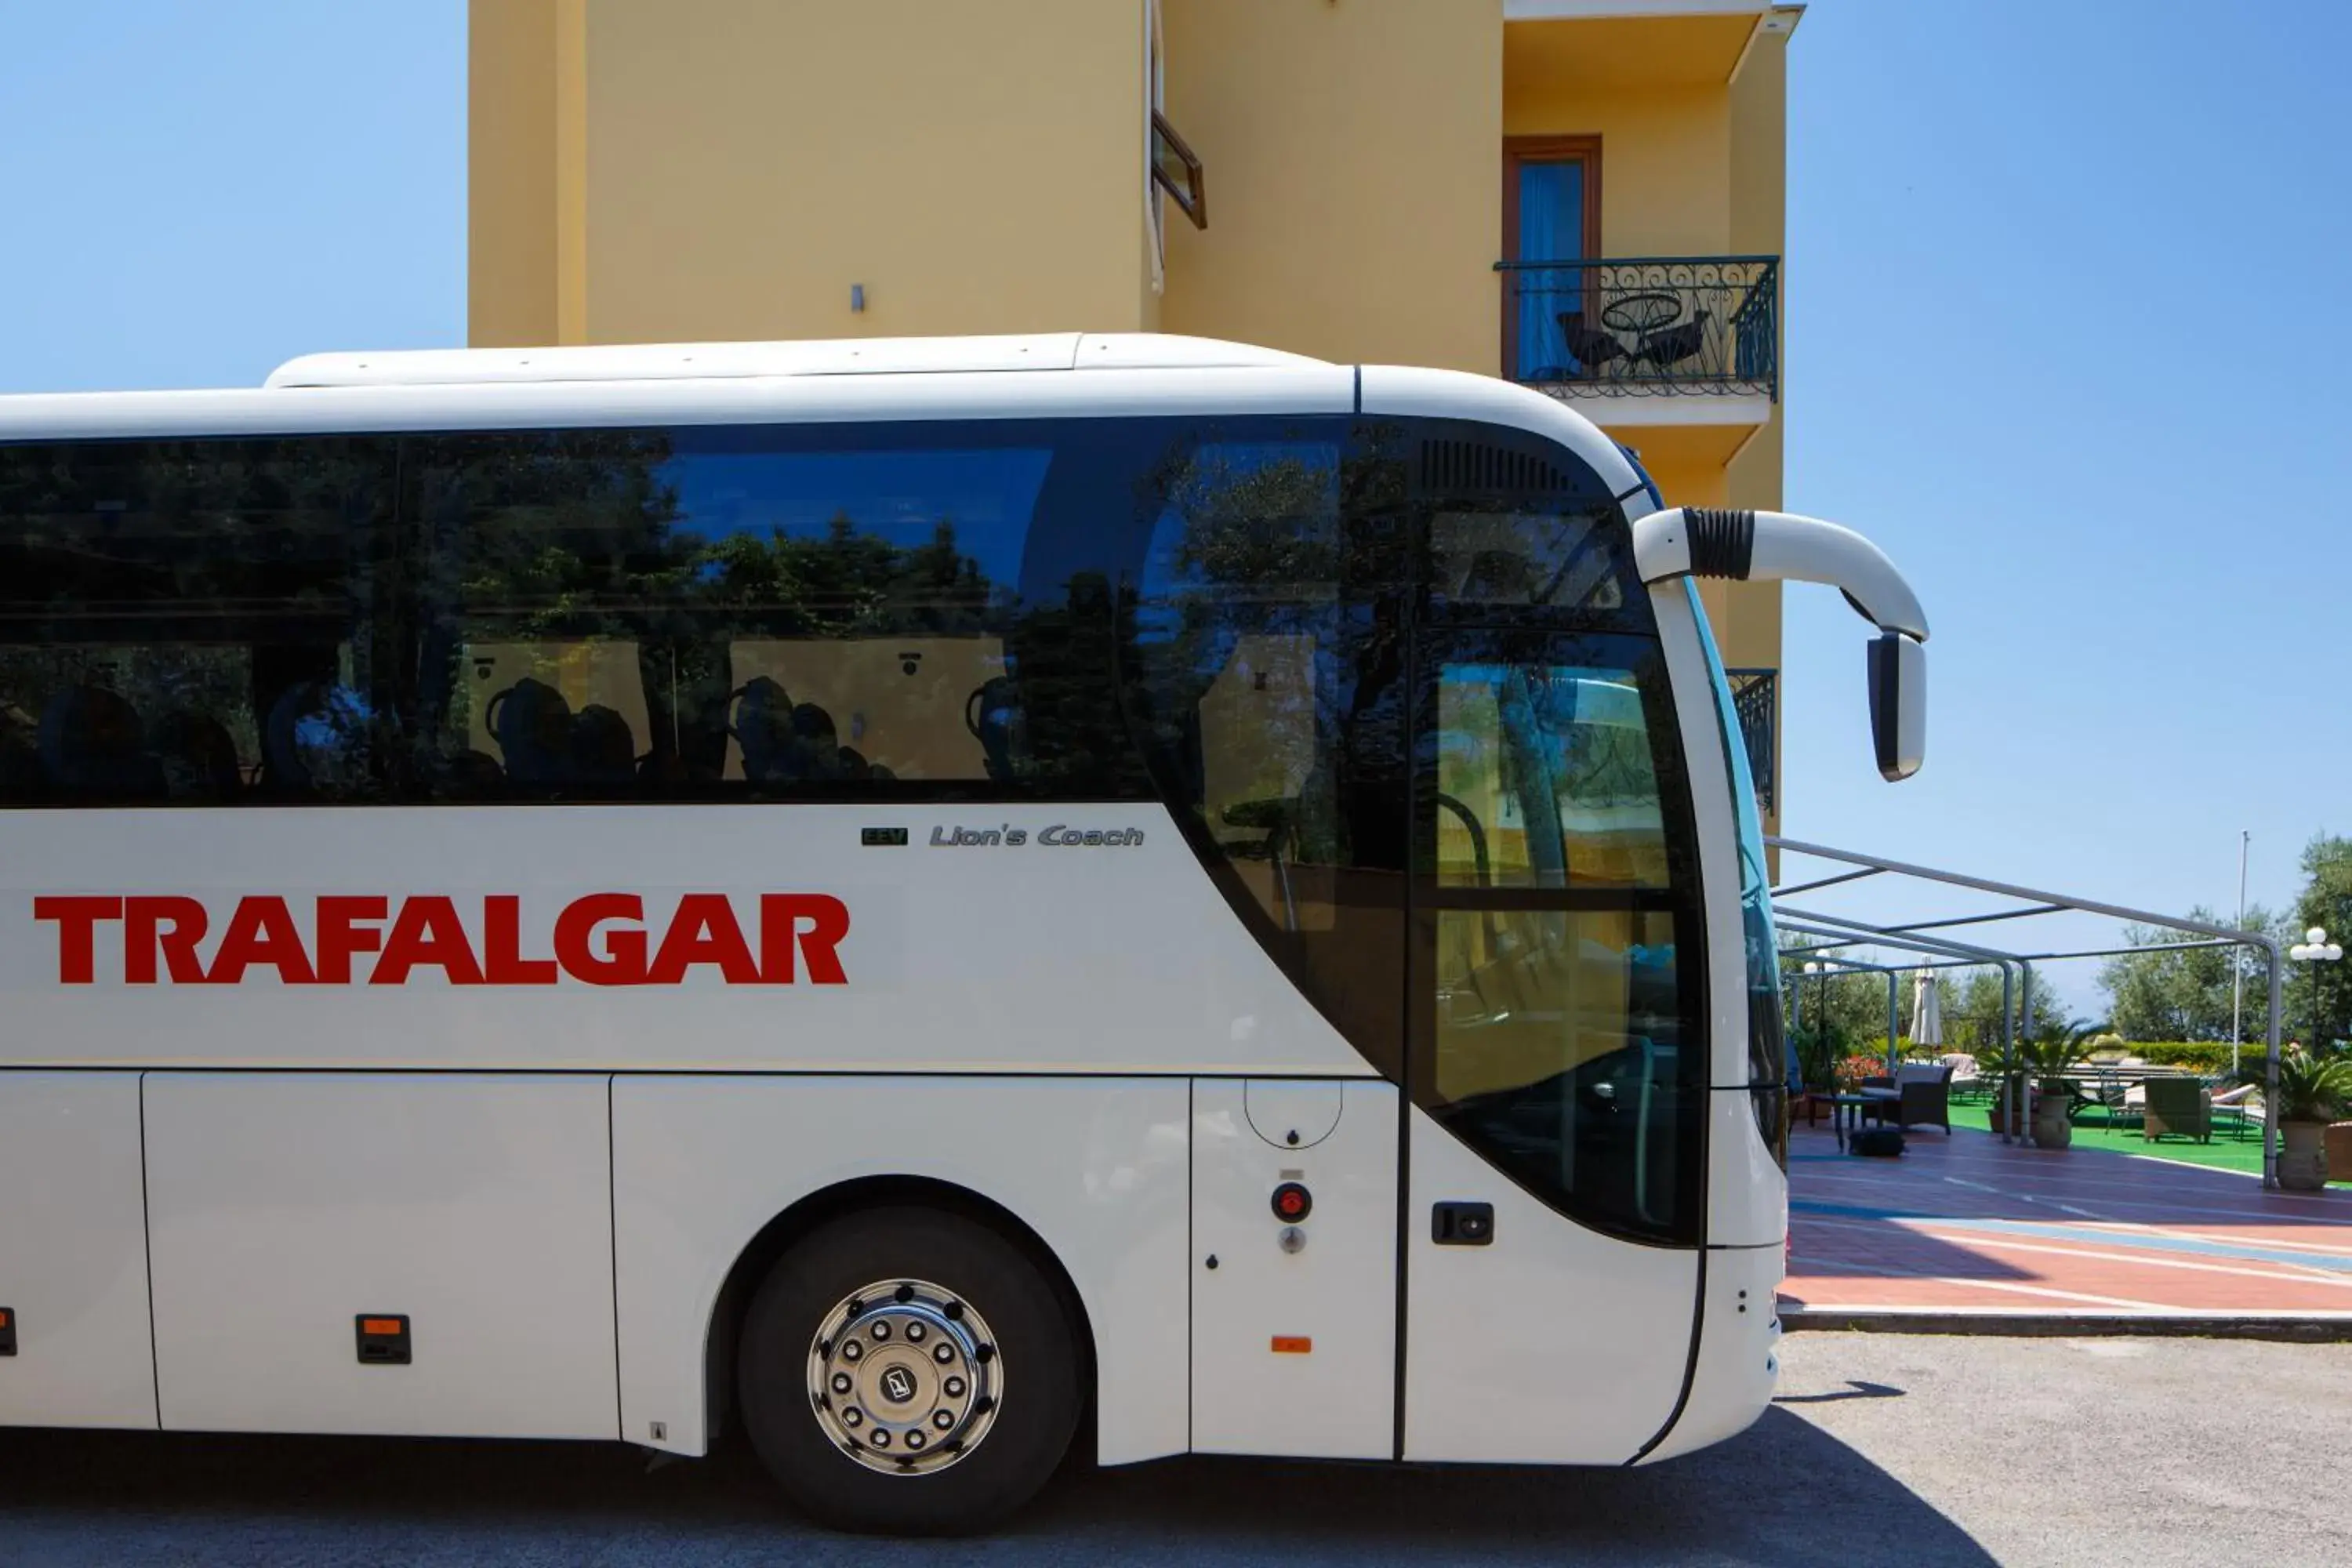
1106	838
1059	834
599	938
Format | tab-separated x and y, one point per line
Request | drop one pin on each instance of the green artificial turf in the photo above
2230	1150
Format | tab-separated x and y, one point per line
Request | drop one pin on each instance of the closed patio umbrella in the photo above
1927	1012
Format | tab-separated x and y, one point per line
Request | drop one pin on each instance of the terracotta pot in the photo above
2052	1130
2303	1163
2339	1143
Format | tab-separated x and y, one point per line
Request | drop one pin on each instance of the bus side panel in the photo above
288	1207
1004	955
73	1252
1738	1349
1099	1168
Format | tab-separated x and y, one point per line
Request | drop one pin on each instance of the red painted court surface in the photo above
1967	1225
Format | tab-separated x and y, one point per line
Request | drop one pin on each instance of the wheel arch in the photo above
819	1208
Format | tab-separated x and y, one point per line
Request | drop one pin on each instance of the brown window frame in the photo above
1192	197
1519	150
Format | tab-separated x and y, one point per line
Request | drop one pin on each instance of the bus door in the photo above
1554	1066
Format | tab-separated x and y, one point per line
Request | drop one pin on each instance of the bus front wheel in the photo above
908	1371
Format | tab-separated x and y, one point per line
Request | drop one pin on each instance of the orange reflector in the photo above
1293	1345
379	1325
4	1317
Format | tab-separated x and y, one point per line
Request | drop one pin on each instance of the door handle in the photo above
1462	1224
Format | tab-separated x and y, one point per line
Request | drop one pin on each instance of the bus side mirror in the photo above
1898	704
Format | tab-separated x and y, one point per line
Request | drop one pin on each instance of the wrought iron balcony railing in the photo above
1754	696
1644	325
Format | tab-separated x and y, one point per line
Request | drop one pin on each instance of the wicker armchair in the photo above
2177	1108
1921	1096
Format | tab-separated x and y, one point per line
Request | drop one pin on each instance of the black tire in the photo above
1033	1421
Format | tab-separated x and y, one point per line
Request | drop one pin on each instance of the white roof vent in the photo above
845	356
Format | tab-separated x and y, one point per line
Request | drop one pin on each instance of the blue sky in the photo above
2068	335
2065	338
196	191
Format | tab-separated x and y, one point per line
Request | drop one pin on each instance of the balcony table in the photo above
1643	312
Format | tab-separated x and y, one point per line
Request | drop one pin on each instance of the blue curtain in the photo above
1551	228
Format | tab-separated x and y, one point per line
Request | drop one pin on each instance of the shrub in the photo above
2198	1055
1854	1068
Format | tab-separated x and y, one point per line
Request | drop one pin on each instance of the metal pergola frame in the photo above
1893	990
1959	956
2018	1011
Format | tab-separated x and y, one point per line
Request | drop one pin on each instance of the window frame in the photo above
1518	150
1191	198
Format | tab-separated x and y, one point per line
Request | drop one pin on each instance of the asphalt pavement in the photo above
1889	1448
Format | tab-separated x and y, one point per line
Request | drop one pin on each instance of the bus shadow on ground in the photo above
1783	1492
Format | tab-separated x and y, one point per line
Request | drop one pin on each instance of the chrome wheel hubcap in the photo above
905	1377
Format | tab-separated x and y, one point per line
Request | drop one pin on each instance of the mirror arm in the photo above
1778	546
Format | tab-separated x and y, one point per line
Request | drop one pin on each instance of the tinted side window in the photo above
724	614
192	622
1267	679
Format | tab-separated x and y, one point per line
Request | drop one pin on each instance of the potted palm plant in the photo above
2043	1058
2312	1092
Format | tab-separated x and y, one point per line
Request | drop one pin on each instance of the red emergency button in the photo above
1292	1203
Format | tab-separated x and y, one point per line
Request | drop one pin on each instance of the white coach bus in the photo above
935	900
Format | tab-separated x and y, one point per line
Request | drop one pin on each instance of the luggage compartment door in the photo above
73	1253
1293	1268
467	1216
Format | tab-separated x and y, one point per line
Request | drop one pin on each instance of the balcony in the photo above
1756	698
1674	326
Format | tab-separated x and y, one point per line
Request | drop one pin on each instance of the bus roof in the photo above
838	356
1141	374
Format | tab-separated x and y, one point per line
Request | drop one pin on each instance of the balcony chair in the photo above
1591	348
1670	346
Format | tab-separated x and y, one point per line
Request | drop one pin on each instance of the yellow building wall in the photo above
712	169
1352	155
976	168
510	173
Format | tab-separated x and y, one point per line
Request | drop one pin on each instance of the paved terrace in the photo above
1967	1226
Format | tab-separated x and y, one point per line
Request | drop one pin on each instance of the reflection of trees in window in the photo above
583	537
160	601
1603	740
1243	684
535	550
1267	682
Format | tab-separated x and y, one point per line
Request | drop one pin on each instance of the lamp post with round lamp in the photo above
2303	1164
1820	995
2314	950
